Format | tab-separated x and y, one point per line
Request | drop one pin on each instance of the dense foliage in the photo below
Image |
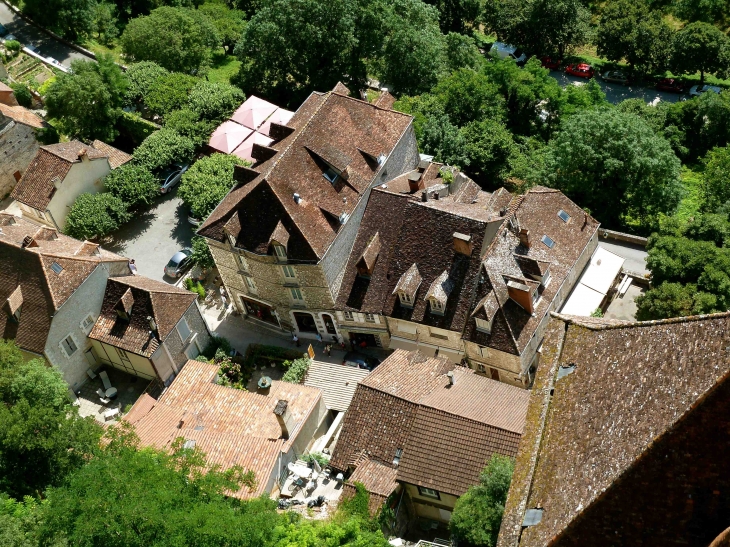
201	253
162	148
93	216
478	513
134	184
207	182
296	370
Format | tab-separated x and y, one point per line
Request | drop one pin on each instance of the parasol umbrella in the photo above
228	136
244	150
279	116
253	112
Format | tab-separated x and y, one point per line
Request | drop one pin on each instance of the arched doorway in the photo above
305	322
329	323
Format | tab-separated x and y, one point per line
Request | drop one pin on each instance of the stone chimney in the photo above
524	236
415	182
463	243
83	154
521	294
281	411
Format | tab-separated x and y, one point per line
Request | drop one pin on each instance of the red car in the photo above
550	62
670	84
581	70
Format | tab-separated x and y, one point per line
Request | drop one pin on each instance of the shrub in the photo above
162	148
201	253
216	343
207	182
318	457
214	101
196	287
188	124
135	128
12	45
142	77
297	370
169	92
135	185
22	95
95	215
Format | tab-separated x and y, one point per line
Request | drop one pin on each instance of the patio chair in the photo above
105	379
102	396
90	373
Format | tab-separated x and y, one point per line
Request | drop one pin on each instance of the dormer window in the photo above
330	174
280	252
405	299
483	325
438	293
436	306
407	286
546	278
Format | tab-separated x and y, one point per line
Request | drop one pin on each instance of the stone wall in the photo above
200	337
18	147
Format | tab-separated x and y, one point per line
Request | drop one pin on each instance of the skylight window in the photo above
565	217
57	268
548	242
330	174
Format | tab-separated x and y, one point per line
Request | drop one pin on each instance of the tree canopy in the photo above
207	182
477	515
162	148
698	47
71	19
178	39
142	77
95	215
87	102
134	184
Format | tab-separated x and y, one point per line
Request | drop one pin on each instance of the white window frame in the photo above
250	285
436	306
405	299
73	342
91	320
546	279
369	318
484	351
426	492
483	325
348	316
482	368
286	269
177	328
296	294
279	251
193	345
242	263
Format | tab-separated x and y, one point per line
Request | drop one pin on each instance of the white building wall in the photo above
83	177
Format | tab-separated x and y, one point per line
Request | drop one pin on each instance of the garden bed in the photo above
259	354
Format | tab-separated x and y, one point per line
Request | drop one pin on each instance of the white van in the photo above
506	51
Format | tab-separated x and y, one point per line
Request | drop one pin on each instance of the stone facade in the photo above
18	147
429	340
180	351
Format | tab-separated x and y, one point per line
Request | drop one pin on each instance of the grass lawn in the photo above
97	48
690	204
223	67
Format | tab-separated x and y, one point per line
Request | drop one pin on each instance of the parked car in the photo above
697	90
615	76
360	360
550	63
179	262
670	84
171	175
506	51
582	70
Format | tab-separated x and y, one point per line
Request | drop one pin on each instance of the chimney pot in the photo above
463	243
524	236
151	321
424	195
297	197
281	411
450	375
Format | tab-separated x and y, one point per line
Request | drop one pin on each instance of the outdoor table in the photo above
111	392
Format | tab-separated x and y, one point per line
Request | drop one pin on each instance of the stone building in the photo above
148	328
451	270
282	236
59	174
51	291
627	437
18	144
429	427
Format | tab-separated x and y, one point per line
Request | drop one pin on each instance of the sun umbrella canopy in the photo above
244	150
228	136
253	112
279	116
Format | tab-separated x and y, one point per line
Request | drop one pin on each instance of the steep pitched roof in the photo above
446	432
233	427
116	156
377	478
22	115
44	267
146	298
536	211
331	125
615	448
51	162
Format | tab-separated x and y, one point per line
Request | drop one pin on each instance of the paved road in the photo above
615	93
28	34
635	255
153	237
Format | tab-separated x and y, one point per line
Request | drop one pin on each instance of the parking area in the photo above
151	238
615	93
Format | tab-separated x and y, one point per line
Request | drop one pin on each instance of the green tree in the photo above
477	515
136	498
291	47
142	76
105	22
162	148
214	101
95	215
412	57
229	23
716	179
708	11
468	95
71	19
177	39
488	145
443	140
169	92
207	182
87	102
462	52
22	94
630	30
615	165
458	15
698	47
134	184
42	437
201	253
19	522
188	124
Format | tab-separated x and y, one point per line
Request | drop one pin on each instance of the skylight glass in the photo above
548	242
565	217
56	267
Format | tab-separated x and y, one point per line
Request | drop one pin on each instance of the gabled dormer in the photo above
369	257
438	293
407	286
539	270
334	162
523	292
485	311
124	306
278	242
14	304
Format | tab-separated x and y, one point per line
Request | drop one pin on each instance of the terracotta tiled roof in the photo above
51	162
377	478
625	447
116	156
233	427
22	115
30	271
447	432
536	211
146	298
336	127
